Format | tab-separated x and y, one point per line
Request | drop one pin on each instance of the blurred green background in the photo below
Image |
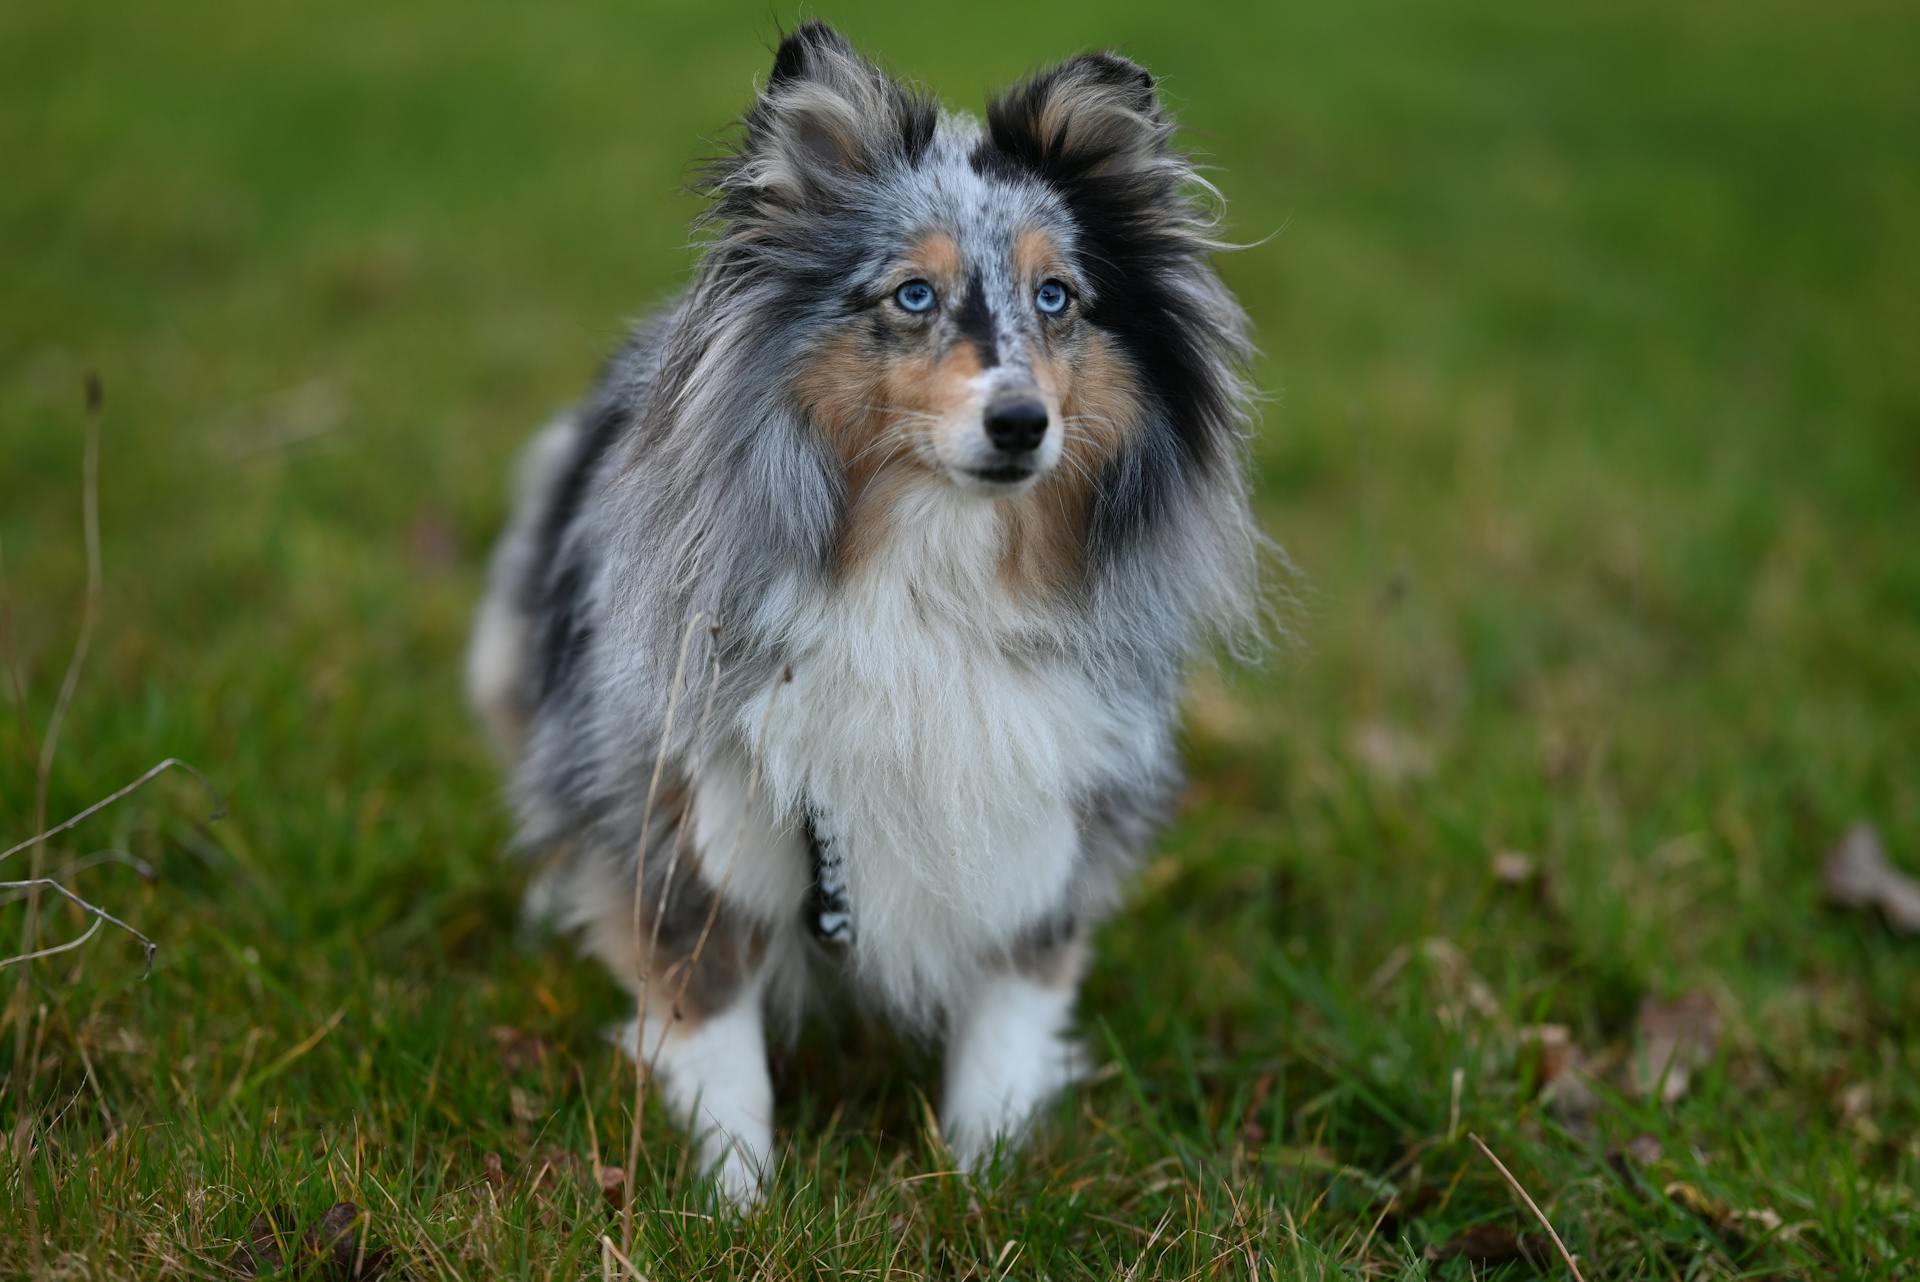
1592	423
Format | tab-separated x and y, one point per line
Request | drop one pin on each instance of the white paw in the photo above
741	1180
713	1079
1008	1056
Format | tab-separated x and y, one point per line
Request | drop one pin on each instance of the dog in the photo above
837	638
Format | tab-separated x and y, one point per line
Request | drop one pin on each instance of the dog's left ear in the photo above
1096	115
828	114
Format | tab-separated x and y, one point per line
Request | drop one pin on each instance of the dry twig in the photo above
100	915
153	772
1538	1214
643	964
56	722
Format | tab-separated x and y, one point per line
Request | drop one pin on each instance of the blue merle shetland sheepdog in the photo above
838	635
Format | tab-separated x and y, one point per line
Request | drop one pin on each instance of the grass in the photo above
1594	425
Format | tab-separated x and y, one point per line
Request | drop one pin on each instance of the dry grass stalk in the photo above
642	961
1533	1206
24	1067
645	1062
16	686
125	790
100	916
82	643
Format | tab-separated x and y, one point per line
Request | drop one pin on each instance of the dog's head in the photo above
994	305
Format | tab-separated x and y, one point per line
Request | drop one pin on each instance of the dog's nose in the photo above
1016	424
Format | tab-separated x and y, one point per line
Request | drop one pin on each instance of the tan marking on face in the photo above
880	415
1098	397
1035	257
838	391
937	258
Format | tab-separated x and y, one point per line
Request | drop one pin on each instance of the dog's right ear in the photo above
1096	115
827	116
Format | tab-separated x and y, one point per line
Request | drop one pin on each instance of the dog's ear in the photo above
826	115
1096	115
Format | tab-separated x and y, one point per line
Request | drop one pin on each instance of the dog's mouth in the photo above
1003	473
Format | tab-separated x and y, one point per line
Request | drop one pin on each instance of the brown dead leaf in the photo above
336	1240
1749	1224
519	1049
433	542
526	1106
123	1041
1551	1048
1757	1222
261	1252
1572	1099
556	1165
1490	1244
1641	1151
1677	1038
1561	756
1690	1199
1458	990
1513	868
1565	1071
330	1250
613	1186
494	1170
1251	1130
1390	754
1858	875
1859	1110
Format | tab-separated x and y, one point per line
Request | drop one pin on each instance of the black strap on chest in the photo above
825	910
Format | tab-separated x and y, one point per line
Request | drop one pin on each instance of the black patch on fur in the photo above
825	912
1049	933
918	119
566	639
974	320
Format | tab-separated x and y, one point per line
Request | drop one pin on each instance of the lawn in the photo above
1591	422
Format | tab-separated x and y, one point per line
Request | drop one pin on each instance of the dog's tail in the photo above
502	659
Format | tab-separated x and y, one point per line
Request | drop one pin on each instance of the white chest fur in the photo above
937	754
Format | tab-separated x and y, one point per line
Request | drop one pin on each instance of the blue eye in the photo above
1051	297
914	296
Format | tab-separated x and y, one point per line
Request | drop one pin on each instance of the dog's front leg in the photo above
711	1071
703	999
1008	1046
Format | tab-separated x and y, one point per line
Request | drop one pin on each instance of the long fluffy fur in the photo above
957	721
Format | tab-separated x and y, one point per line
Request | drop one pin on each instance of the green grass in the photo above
1594	424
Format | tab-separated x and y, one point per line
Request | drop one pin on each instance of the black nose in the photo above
1016	424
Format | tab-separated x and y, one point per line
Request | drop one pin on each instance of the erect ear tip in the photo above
1122	72
791	60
